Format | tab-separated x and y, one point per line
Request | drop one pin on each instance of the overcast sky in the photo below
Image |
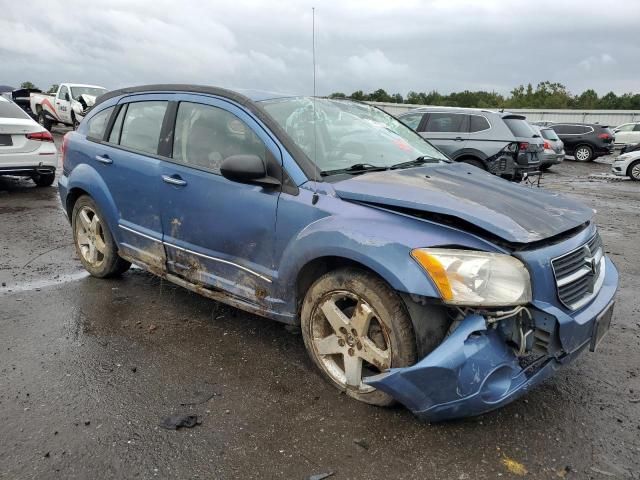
405	45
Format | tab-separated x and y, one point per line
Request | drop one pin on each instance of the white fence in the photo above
603	117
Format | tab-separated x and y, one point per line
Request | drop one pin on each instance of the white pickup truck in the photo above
68	106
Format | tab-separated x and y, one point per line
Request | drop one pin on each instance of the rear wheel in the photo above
44	121
584	153
94	242
44	179
354	326
634	171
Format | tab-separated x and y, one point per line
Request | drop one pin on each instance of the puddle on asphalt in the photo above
44	282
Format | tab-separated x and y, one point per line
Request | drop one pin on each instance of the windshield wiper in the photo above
414	163
354	169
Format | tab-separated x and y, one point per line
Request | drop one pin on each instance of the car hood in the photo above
515	213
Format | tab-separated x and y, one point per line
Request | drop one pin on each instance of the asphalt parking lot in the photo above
89	368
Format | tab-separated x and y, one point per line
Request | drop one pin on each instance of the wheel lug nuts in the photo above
341	342
343	330
353	332
359	345
351	352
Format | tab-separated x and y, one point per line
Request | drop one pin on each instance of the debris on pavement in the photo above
174	422
362	443
152	328
320	476
513	466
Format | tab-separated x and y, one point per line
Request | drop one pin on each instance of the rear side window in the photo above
11	110
477	123
548	134
626	128
637	127
412	120
206	135
141	126
98	123
445	122
519	127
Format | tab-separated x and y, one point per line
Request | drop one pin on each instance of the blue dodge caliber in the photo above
414	279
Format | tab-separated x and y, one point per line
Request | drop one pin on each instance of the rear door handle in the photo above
175	180
104	159
459	139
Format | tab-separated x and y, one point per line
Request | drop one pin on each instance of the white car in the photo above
26	148
627	134
627	164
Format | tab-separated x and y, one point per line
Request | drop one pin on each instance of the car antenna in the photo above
315	197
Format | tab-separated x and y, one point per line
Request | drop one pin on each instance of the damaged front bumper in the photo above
474	370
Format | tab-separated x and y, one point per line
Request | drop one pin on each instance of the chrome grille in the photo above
579	274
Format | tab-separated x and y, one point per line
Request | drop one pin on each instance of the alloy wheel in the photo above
349	340
90	236
635	171
583	154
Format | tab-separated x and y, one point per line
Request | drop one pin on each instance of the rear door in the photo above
446	130
126	156
217	232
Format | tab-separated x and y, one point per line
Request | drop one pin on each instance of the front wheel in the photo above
354	326
584	153
634	171
74	121
94	242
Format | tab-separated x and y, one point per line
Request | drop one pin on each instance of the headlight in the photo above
467	277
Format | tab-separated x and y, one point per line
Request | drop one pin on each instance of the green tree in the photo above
27	85
358	95
53	88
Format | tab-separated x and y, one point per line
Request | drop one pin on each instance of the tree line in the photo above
545	95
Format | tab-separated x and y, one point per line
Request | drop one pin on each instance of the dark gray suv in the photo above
499	142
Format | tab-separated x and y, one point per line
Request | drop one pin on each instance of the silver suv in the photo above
499	142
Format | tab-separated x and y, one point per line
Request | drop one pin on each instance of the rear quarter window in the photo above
548	134
98	124
477	123
519	127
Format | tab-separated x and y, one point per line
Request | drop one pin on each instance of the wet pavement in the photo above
89	368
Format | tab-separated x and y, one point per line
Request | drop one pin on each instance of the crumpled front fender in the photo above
471	372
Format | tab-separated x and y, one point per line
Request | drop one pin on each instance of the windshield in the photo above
348	133
93	91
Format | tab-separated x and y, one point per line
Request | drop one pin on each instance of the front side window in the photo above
141	126
205	136
412	120
62	94
98	123
445	122
338	134
91	91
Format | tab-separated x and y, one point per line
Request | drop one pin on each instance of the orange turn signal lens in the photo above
436	271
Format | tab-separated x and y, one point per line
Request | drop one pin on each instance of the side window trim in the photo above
111	122
167	131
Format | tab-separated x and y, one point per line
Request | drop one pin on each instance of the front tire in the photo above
634	171
74	122
354	326
94	242
584	153
44	179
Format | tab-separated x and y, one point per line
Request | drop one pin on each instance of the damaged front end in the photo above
490	358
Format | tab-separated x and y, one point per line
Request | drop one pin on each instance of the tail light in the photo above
63	149
604	136
44	136
524	146
547	146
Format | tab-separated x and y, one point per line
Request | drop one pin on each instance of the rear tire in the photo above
44	121
354	326
544	168
94	243
44	179
634	171
584	153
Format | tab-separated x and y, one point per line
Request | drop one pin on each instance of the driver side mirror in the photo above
247	169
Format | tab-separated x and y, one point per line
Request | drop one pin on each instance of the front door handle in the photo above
459	139
104	159
176	180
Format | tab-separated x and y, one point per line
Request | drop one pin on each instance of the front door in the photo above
63	104
217	232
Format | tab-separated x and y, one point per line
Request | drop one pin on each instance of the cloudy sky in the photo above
448	45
